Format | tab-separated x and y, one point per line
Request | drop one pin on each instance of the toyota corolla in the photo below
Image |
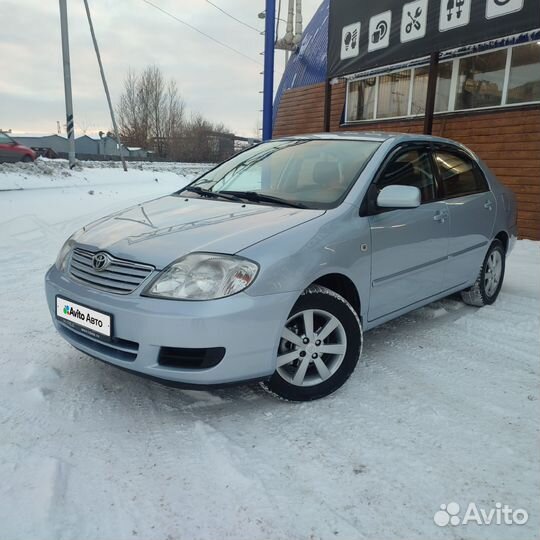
272	265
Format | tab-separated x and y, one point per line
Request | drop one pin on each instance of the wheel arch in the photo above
504	238
344	286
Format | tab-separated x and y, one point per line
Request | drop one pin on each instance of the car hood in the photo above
162	230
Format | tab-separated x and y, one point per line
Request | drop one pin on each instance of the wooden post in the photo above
431	92
327	105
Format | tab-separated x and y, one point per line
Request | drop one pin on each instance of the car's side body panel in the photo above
331	244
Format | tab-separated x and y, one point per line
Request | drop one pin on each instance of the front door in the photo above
409	246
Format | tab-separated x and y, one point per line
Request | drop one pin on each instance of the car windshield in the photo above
310	173
5	138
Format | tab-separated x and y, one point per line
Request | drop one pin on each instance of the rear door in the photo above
409	246
472	209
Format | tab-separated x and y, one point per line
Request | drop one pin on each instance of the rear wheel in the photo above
27	159
488	285
319	348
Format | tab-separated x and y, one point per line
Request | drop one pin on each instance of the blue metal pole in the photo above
268	89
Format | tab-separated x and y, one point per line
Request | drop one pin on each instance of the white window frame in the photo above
453	88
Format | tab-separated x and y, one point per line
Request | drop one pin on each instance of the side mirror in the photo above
399	197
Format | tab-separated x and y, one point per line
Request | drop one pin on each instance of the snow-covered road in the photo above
443	407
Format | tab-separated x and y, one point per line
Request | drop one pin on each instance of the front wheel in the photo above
488	285
319	348
27	159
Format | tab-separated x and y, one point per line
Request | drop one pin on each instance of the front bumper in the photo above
248	327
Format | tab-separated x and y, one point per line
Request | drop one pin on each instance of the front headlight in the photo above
62	258
203	276
63	255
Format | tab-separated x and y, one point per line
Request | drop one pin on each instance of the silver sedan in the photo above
272	265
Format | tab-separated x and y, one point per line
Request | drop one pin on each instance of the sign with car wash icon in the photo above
367	34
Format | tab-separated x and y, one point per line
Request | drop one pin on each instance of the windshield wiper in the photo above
254	196
212	194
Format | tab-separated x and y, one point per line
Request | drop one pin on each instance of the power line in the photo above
200	31
233	17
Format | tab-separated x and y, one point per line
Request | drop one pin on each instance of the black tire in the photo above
323	301
480	294
27	159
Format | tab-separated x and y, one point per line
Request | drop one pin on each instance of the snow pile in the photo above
444	406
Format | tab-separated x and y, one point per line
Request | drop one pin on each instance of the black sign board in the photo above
368	33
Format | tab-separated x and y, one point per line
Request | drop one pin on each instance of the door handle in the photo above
440	216
488	205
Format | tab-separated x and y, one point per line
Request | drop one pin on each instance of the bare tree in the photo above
129	112
150	111
151	114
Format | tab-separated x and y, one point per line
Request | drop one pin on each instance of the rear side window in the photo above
459	175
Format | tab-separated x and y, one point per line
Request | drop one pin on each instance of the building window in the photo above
524	80
490	79
420	84
481	80
361	99
393	97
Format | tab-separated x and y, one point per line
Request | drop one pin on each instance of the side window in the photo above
459	175
412	168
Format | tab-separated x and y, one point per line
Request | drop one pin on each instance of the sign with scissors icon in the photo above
413	20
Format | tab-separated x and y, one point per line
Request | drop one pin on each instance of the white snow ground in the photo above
443	407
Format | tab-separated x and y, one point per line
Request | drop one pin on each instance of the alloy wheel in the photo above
313	346
493	272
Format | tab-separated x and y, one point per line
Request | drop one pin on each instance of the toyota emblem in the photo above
100	261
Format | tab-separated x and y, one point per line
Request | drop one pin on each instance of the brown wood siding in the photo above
507	140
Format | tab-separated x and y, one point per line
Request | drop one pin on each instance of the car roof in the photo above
377	136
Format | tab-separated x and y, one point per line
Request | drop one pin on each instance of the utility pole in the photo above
268	88
67	83
105	86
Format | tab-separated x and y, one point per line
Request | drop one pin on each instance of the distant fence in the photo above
101	157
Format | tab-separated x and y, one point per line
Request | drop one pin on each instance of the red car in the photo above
11	150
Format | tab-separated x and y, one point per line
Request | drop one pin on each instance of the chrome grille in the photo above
120	276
